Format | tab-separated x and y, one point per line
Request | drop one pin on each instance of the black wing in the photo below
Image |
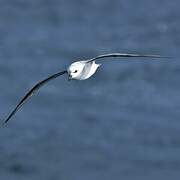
125	55
32	92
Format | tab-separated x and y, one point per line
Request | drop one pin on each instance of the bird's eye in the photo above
75	71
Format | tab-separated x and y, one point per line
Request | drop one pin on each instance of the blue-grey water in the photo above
123	123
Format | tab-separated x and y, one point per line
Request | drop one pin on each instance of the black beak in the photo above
69	77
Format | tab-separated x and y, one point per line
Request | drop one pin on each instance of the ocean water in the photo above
123	123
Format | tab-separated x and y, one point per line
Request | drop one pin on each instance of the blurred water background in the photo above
123	123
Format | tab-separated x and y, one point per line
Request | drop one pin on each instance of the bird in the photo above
79	70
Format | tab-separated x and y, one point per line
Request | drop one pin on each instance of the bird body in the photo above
79	70
82	70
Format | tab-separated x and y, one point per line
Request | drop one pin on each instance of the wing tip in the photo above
158	56
3	124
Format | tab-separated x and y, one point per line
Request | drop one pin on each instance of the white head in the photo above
82	70
75	70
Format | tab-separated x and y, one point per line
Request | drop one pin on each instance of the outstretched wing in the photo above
125	55
32	92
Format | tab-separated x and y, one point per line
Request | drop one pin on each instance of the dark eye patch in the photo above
75	71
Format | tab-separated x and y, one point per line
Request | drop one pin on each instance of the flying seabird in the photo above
79	70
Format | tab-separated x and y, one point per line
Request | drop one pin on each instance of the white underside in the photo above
93	69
